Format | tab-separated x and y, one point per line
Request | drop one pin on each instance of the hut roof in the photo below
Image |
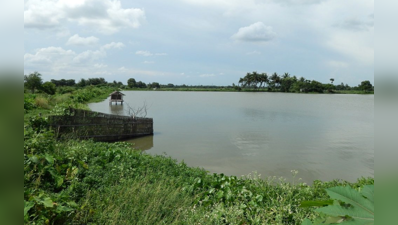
116	93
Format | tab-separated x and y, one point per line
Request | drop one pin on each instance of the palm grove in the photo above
288	83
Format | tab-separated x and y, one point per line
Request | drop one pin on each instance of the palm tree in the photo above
275	80
263	79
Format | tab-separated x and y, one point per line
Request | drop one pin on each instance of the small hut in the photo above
116	97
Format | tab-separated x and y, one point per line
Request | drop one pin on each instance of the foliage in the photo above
131	82
288	83
365	86
48	88
349	207
141	84
33	81
29	102
63	82
42	102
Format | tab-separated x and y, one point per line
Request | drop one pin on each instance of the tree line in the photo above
288	83
251	81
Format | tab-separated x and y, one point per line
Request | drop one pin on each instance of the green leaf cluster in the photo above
350	206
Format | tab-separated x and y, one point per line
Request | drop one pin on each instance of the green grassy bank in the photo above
84	182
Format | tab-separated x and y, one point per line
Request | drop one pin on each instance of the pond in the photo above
322	136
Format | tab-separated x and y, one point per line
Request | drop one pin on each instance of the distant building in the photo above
116	97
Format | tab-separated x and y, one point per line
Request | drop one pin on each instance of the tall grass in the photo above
42	102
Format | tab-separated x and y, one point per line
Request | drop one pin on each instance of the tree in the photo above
331	80
141	84
49	88
33	81
82	83
131	83
155	85
366	86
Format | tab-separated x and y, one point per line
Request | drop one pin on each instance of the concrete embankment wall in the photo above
85	124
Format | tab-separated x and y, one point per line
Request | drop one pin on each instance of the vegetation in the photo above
33	81
84	182
349	206
252	82
288	83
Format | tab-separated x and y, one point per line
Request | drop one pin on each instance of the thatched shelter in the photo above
116	97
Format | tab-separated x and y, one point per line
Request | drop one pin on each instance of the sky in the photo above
199	42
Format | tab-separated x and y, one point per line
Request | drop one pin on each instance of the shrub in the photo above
48	88
42	102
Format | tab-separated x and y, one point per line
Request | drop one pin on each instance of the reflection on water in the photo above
116	109
142	143
323	137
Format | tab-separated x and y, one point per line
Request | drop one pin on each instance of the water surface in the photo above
322	136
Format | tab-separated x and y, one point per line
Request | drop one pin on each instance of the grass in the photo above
42	102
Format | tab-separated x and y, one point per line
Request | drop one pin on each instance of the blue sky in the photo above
200	42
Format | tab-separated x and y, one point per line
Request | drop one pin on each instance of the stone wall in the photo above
85	124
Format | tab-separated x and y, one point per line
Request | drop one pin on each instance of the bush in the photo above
48	88
29	102
42	102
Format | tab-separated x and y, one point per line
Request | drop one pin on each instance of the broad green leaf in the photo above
307	222
47	202
59	180
49	159
220	194
358	214
28	205
333	220
305	204
368	192
353	197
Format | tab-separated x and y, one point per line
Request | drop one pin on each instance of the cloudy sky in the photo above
200	42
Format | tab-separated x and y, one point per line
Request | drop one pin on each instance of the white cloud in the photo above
207	75
51	55
55	58
112	45
105	16
89	56
149	62
148	53
257	32
82	41
100	66
143	53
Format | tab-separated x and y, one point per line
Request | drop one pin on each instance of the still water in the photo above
323	137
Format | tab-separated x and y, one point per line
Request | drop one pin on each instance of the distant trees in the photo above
33	81
63	82
365	86
254	80
288	83
131	83
92	81
49	88
141	84
155	85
